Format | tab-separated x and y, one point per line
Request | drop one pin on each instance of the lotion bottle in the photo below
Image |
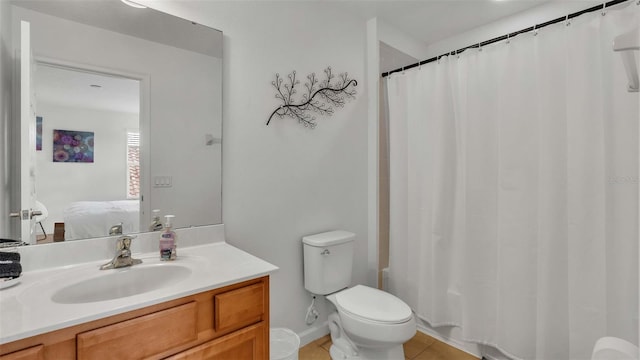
168	241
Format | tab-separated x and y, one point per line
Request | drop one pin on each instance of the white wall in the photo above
380	34
284	181
537	15
414	47
58	184
6	60
401	41
185	90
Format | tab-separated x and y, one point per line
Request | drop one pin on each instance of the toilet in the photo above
368	323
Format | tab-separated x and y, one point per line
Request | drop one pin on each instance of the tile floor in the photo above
420	347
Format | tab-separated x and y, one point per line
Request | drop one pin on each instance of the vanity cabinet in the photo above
227	323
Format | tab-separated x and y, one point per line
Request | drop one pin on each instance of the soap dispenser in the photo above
156	224
168	241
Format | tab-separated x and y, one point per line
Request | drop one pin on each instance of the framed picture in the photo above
38	133
72	146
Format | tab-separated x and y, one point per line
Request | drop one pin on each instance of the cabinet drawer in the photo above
141	337
32	353
245	344
239	307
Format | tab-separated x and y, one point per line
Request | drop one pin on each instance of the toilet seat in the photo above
373	305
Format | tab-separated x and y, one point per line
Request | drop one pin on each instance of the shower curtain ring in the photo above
566	21
479	46
604	5
535	31
508	40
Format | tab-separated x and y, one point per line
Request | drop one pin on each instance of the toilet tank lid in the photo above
329	238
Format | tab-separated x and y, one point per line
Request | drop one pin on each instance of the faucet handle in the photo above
116	229
124	242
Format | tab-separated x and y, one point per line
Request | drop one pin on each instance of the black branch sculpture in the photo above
320	97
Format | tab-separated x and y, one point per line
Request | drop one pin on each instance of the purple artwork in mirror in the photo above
38	133
72	146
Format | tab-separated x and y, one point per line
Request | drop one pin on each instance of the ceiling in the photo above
68	88
146	24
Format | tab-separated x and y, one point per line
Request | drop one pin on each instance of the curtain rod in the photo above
508	36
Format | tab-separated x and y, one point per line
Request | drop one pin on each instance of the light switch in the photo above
162	181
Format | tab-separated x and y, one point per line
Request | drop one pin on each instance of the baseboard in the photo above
470	349
313	333
488	357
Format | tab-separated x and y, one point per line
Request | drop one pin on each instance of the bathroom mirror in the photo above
129	116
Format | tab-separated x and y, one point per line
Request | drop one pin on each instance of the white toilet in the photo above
369	323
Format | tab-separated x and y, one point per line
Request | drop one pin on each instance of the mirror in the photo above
129	111
77	112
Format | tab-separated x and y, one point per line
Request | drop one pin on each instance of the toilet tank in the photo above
328	261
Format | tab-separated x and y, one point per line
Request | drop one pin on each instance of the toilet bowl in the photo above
368	323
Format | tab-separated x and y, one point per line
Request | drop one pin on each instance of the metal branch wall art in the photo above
320	96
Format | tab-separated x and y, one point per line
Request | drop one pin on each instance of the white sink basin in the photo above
120	283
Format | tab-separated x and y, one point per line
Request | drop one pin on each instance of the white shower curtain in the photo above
514	190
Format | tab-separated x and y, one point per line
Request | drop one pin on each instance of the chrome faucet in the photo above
123	255
115	229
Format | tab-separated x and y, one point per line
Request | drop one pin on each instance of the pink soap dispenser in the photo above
168	241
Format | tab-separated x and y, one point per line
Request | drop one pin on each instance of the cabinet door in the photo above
141	337
246	344
32	353
240	307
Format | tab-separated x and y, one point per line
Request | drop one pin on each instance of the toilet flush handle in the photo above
325	252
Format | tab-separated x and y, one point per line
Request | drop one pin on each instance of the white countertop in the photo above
27	309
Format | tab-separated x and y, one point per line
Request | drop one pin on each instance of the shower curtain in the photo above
514	190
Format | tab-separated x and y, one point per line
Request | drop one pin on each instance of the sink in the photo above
120	283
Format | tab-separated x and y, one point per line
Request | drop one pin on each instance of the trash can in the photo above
284	344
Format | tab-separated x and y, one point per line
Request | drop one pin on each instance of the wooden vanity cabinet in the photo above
227	323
